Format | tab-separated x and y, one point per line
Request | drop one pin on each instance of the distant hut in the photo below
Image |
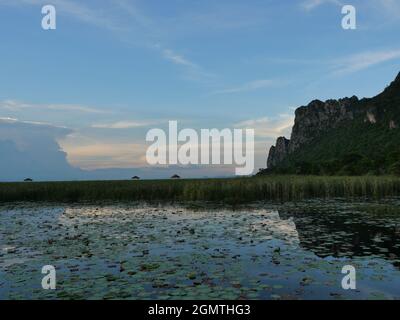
135	178
175	176
28	180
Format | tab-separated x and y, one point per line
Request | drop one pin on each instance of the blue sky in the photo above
113	69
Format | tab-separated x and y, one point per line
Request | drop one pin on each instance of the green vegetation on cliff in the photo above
345	137
372	149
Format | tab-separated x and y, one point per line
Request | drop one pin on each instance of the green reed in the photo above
236	190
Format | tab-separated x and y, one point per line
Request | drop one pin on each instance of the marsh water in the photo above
261	251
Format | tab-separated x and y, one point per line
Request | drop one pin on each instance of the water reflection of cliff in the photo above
347	234
271	224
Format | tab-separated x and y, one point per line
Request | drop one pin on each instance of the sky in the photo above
114	69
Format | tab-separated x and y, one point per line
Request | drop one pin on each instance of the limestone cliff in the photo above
278	153
311	121
318	118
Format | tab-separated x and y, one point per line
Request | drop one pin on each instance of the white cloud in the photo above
134	13
16	122
75	10
8	119
250	86
100	155
14	105
177	59
31	149
138	29
267	130
123	125
310	5
270	128
217	17
389	7
363	60
193	71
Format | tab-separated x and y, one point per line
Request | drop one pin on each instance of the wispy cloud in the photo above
363	60
134	13
390	7
251	86
123	125
126	21
193	71
217	17
74	10
310	5
16	121
177	59
14	105
269	128
13	123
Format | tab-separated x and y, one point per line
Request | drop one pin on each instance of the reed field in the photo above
235	190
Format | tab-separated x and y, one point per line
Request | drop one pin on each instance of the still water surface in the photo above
263	251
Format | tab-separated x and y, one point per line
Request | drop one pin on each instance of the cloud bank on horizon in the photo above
31	149
86	93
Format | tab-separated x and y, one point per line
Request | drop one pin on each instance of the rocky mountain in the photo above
345	136
279	152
